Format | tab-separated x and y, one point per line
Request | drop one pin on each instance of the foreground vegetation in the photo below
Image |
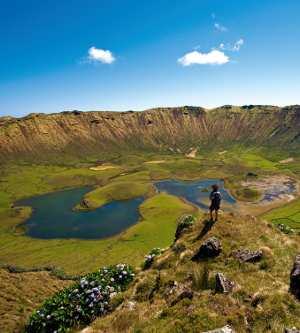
260	296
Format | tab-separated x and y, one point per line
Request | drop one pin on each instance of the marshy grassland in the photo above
132	179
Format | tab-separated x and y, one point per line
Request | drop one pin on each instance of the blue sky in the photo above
135	55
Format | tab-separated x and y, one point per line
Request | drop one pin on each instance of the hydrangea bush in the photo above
152	254
188	221
286	230
80	302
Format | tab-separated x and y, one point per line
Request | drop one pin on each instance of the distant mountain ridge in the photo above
72	135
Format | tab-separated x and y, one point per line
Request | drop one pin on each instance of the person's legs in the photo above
211	214
216	214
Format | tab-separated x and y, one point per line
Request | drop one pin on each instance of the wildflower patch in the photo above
151	256
82	301
188	221
286	230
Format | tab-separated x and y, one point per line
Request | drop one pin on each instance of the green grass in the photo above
117	192
157	228
21	294
132	179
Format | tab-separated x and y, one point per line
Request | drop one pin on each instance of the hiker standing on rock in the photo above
215	198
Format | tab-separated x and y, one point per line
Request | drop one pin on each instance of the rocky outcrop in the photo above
225	329
295	278
245	255
179	228
223	286
210	248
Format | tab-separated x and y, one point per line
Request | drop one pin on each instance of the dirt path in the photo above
291	159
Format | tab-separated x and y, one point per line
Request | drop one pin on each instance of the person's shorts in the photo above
214	207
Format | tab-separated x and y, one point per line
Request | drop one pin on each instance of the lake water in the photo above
192	192
276	190
54	217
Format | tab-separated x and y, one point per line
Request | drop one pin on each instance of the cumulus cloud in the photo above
213	15
99	55
235	47
215	57
217	25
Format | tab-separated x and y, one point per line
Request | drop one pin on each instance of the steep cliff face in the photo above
74	135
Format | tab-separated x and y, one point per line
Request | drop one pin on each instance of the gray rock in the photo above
292	330
223	286
179	228
295	278
175	286
210	248
245	255
186	288
225	329
130	306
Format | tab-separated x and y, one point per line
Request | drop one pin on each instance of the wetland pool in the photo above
277	191
54	217
198	193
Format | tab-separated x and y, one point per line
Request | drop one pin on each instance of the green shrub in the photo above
78	303
152	254
201	280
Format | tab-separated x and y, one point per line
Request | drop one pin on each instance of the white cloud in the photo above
235	47
215	57
213	15
106	57
217	25
196	47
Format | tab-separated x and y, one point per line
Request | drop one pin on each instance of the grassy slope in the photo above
267	281
21	294
88	136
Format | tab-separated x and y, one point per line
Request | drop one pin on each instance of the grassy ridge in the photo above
260	296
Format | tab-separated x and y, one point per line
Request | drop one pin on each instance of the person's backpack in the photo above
216	198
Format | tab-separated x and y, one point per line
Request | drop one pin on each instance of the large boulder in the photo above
223	286
225	329
210	248
295	278
245	255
